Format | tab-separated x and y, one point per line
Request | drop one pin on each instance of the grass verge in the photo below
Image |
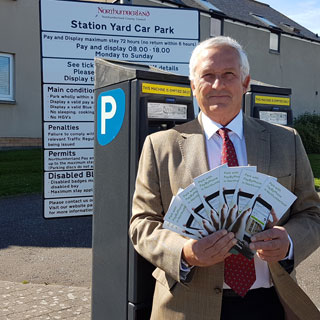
20	171
315	164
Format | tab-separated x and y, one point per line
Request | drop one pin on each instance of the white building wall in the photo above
297	66
19	35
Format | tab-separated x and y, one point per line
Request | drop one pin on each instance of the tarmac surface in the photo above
45	269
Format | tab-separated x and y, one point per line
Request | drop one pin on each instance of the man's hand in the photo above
209	250
272	244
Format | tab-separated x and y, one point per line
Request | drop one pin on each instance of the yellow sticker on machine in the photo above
169	90
280	101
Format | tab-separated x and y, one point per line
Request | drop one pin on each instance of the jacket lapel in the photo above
193	148
257	144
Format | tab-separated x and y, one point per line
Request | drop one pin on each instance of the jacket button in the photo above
217	290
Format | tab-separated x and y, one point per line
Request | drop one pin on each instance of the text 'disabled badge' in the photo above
110	115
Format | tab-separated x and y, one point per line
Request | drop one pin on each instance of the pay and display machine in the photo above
268	103
132	101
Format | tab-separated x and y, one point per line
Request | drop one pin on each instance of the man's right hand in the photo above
209	250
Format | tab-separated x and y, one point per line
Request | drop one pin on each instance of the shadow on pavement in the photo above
22	224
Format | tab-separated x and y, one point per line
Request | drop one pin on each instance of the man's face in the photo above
217	84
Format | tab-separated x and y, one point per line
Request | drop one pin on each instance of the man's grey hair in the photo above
219	42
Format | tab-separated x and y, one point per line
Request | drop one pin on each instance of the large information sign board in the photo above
72	34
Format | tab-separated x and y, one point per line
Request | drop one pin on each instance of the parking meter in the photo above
132	101
269	103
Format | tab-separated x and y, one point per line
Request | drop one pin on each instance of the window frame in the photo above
9	98
264	20
271	50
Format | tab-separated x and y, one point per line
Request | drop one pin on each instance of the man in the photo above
190	273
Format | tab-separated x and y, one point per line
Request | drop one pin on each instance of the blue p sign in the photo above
111	109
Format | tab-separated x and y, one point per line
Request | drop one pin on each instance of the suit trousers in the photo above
262	304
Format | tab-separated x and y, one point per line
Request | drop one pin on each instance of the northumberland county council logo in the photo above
110	115
123	12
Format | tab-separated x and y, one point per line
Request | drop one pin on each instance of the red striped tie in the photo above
239	272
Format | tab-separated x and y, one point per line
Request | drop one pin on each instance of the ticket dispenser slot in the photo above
151	100
162	113
269	103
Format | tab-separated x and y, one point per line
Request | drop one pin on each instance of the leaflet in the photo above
229	178
208	186
273	200
179	215
193	234
275	196
251	201
249	183
192	200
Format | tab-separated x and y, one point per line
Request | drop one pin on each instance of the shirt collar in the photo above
210	127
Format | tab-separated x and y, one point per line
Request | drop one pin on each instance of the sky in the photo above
304	12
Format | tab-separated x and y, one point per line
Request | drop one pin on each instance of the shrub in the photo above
308	126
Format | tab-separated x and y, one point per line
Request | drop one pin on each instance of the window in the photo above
274	42
6	77
208	5
215	27
264	20
287	27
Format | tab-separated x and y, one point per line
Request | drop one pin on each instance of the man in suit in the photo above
190	273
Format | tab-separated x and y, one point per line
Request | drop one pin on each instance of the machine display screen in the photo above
274	117
158	110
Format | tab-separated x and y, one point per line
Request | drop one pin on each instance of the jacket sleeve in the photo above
304	223
159	246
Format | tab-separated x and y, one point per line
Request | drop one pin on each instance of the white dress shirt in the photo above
214	146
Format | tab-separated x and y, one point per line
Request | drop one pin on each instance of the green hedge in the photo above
308	126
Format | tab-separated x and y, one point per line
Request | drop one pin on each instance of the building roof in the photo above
254	13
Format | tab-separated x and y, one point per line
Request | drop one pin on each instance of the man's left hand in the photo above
272	244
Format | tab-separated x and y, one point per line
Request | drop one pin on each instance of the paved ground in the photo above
39	302
45	269
308	276
38	250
